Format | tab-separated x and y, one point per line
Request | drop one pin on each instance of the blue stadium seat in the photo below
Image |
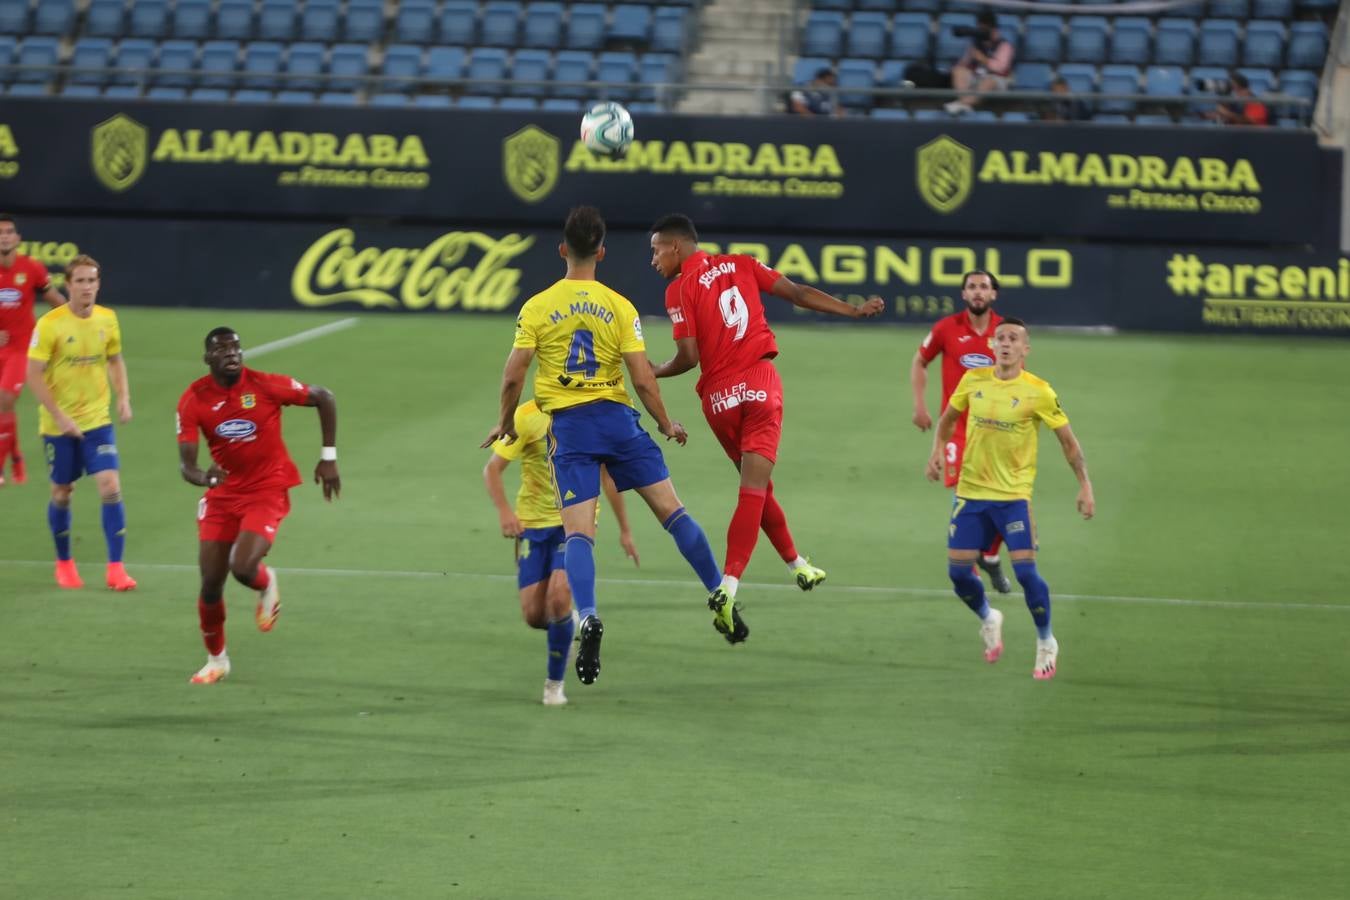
104	18
337	98
432	101
53	16
619	70
891	72
1015	115
1033	76
276	20
167	93
543	26
572	65
879	5
1317	4
1228	9
888	112
487	64
134	58
1197	75
950	47
220	59
669	29
28	90
856	73
911	37
475	102
149	18
79	91
501	23
176	57
530	64
518	103
389	100
295	97
1261	81
364	21
403	61
262	60
444	63
585	26
1153	119
8	47
349	61
561	104
192	19
1118	79
1174	44
1010	29
1272	9
1189	10
806	68
93	53
1043	41
923	6
14	17
415	22
234	20
930	115
1265	44
1218	43
980	115
1087	39
1081	77
303	59
867	35
209	95
1131	40
318	21
1299	83
1307	45
252	95
1164	81
657	69
823	34
1110	118
631	25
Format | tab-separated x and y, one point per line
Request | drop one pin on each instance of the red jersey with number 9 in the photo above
242	424
715	300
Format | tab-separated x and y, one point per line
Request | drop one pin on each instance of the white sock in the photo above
797	563
224	655
990	560
730	583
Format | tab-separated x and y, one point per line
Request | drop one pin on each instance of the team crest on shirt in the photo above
248	401
21	278
1015	401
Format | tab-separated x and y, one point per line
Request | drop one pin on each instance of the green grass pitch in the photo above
386	740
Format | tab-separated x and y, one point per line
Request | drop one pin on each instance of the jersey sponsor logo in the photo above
118	152
530	163
11	296
976	360
248	401
676	314
237	429
637	327
732	397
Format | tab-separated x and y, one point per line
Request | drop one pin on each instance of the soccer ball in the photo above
607	129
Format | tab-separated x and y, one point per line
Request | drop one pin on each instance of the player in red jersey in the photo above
964	341
22	279
714	303
248	484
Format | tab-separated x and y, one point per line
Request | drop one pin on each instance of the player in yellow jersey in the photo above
74	357
1007	406
535	524
585	335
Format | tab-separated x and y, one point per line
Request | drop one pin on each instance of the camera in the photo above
1214	85
979	32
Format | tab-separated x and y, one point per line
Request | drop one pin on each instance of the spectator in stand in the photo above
1243	109
1065	107
985	66
817	97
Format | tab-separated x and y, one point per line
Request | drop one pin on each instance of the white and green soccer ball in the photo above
607	129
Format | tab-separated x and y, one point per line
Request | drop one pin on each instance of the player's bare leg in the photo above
246	565
213	558
961	568
114	528
1038	603
58	516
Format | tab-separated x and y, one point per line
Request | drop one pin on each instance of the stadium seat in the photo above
867	35
1087	39
318	21
1307	45
1192	86
403	61
92	54
1110	118
950	47
167	93
262	60
1228	9
475	102
104	18
1299	83
930	115
1164	81
618	70
28	90
1118	79
585	26
1265	44
444	63
14	17
432	101
806	67
669	30
889	112
337	98
1043	39
518	103
1131	40
1261	81
1218	43
657	69
8	48
543	26
122	91
911	36
501	23
364	21
132	61
487	64
295	97
176	58
572	65
459	22
1081	77
79	91
891	72
1010	28
209	95
530	65
276	20
1189	10
389	100
1282	10
415	22
632	25
191	19
878	5
1016	115
149	18
350	61
923	6
53	16
218	63
234	20
841	5
980	115
1174	44
560	104
1153	119
823	34
1032	76
856	73
303	59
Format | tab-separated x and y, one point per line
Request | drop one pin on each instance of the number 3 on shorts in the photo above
951	452
201	509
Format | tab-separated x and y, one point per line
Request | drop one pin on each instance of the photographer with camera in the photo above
985	66
1243	109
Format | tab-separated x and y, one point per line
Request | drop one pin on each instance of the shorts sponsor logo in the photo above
976	360
236	429
10	296
733	397
106	450
1016	527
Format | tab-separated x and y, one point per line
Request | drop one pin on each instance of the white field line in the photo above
690	584
308	334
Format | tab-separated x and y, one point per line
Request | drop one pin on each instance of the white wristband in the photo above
328	454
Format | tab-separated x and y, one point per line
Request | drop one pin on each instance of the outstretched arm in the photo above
946	427
644	383
615	501
492	479
513	382
918	385
326	472
807	297
685	358
1073	453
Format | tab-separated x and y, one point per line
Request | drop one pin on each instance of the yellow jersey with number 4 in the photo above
76	352
579	331
1001	430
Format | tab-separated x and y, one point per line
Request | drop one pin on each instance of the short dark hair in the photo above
986	17
824	72
6	217
1239	79
1013	320
993	280
217	332
584	232
677	224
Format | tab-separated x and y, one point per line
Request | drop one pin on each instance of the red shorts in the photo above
222	517
953	453
746	412
13	368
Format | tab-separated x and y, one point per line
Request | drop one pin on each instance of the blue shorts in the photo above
542	556
68	458
975	522
583	437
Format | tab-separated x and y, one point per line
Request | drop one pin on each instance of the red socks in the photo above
744	530
775	526
261	579
9	436
212	616
994	547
